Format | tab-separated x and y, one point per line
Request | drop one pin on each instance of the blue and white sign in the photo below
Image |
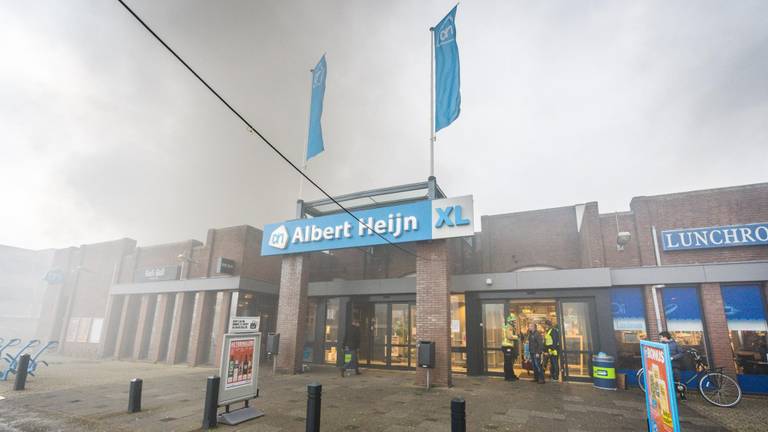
682	309
755	234
416	221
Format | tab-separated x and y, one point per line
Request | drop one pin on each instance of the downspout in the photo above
653	287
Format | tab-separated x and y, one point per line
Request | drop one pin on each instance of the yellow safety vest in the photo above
549	342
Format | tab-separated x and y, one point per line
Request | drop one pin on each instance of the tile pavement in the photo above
75	395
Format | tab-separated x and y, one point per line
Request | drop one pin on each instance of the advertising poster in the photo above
240	362
660	397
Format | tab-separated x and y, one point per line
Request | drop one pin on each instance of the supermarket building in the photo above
693	263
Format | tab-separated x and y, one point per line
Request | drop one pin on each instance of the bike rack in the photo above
13	359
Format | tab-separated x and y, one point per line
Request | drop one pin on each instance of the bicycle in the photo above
714	386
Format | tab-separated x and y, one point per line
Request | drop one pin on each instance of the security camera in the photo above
489	281
622	239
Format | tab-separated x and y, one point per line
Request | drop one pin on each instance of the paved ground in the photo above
76	395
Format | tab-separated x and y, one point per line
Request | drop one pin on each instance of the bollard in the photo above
134	395
314	394
21	373
211	407
458	415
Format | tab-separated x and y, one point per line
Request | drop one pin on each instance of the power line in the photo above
254	130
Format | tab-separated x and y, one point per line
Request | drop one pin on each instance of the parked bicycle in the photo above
715	387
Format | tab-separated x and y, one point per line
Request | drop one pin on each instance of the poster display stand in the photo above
239	376
660	394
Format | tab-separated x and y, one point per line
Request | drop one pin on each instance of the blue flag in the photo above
315	140
447	98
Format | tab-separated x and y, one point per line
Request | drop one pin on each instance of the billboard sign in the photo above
239	367
660	395
414	221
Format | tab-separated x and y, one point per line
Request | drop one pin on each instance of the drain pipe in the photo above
653	287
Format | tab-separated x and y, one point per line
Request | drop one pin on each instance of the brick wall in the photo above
533	238
720	353
291	312
433	312
706	208
590	238
630	256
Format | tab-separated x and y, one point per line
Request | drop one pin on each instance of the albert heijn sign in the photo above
415	221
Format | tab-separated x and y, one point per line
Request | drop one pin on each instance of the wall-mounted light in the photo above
488	281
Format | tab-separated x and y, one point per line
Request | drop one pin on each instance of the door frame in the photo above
593	329
370	307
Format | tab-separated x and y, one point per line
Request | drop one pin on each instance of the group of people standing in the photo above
539	349
542	350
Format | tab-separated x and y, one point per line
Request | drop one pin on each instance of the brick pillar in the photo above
433	308
221	322
144	321
178	341
202	322
292	312
123	330
110	326
158	328
650	313
720	353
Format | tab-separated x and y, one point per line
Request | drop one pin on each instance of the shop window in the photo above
628	309
745	311
331	330
458	333
683	312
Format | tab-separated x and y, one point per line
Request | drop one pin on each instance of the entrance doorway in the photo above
388	334
571	317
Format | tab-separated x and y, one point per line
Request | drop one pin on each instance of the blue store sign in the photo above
715	237
416	221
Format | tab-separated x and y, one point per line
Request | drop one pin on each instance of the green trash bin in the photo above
603	372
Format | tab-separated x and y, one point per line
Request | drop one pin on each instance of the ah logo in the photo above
446	33
279	238
450	216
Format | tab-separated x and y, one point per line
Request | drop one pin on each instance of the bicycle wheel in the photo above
720	389
641	379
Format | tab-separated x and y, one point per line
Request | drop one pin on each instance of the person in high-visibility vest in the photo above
510	346
552	349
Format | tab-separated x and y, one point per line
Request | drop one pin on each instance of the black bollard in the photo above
134	395
211	408
314	394
21	373
458	415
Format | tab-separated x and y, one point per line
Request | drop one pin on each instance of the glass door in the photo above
577	336
493	332
400	335
391	334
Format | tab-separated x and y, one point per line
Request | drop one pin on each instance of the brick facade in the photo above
292	312
720	354
433	311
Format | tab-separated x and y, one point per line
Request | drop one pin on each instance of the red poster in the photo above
240	359
660	391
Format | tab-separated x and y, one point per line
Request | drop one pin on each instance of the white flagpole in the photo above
432	102
306	145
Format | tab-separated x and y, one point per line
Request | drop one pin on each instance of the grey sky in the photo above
104	135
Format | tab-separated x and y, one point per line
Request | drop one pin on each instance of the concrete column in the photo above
292	312
158	328
144	320
720	353
650	313
179	339
110	327
202	322
433	308
221	323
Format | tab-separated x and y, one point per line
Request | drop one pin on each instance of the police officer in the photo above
552	349
510	347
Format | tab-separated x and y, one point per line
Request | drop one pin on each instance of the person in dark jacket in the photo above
676	356
352	343
536	348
